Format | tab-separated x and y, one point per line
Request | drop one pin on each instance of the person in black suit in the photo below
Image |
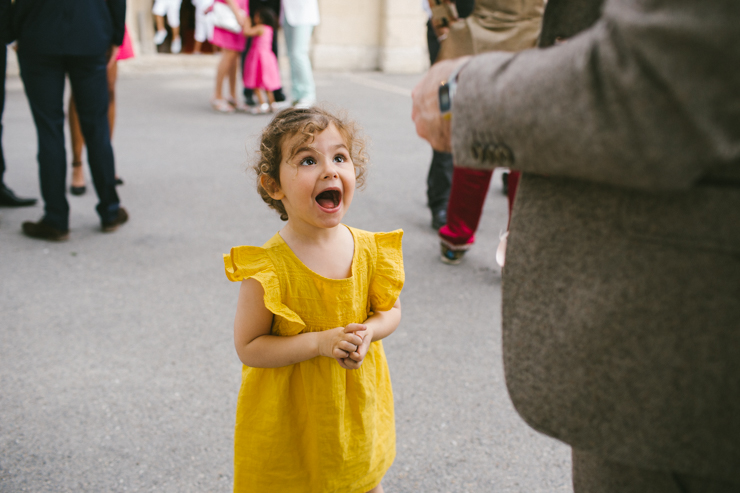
7	197
77	38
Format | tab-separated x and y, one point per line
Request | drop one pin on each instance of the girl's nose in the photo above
330	171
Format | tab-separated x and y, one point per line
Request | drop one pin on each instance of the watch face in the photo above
444	98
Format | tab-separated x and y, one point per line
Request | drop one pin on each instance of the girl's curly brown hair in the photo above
307	122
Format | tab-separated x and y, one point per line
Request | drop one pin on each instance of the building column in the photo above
403	47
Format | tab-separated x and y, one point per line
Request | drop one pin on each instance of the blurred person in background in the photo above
278	94
75	38
78	186
439	178
231	44
203	25
298	19
7	197
261	72
171	9
505	25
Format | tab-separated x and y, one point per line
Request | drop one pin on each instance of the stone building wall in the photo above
386	35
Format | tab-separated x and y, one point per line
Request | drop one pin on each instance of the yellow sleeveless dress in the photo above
314	427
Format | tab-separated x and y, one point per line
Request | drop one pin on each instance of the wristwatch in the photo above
447	92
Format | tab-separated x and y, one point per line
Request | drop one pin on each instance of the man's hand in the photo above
430	125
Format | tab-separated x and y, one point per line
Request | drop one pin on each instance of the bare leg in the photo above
270	97
112	77
232	76
175	32
160	22
78	141
227	57
377	489
260	97
196	47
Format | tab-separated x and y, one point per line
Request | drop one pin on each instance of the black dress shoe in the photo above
78	190
119	181
43	231
439	219
122	217
9	199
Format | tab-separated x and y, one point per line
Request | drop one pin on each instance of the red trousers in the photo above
467	196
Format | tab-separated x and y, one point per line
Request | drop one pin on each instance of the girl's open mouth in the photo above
329	199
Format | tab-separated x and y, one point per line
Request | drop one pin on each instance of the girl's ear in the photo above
272	188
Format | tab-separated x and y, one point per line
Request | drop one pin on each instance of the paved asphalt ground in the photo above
117	366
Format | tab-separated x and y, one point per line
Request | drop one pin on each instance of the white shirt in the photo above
301	12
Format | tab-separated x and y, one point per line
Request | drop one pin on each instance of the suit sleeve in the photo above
118	15
5	36
647	97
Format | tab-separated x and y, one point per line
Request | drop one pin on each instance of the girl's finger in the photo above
354	328
348	346
340	353
353	339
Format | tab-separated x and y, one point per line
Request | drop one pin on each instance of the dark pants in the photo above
43	76
439	179
3	68
593	474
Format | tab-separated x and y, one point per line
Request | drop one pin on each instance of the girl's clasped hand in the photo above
348	345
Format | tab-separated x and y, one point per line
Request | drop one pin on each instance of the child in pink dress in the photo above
261	72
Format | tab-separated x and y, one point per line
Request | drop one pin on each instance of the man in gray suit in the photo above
621	291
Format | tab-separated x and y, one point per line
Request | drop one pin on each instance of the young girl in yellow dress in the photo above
315	409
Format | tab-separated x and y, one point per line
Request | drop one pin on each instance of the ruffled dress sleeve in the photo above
386	284
245	262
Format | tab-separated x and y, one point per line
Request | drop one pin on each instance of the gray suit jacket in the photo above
621	291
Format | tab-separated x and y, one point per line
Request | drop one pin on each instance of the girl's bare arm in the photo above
252	31
258	349
384	324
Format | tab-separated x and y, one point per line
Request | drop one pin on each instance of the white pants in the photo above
170	8
203	23
298	41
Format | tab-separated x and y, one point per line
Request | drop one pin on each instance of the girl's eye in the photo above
340	158
307	161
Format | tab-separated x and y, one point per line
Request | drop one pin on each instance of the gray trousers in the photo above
593	474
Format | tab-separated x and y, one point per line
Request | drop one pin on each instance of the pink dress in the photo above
261	66
127	49
228	40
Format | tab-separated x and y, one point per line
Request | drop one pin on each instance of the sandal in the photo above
260	109
77	190
221	106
